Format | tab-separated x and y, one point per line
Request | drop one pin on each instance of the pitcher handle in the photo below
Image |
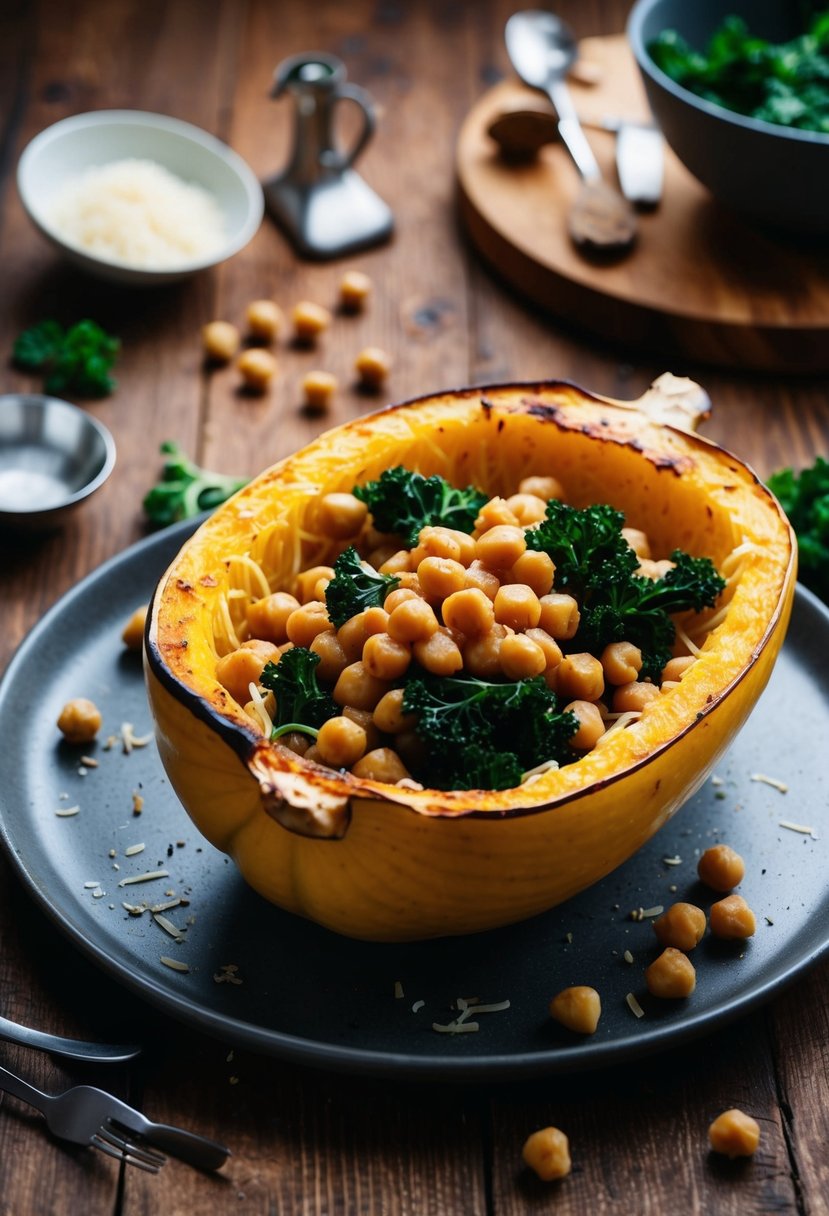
335	159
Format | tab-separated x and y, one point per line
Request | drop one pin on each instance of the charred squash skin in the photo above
388	863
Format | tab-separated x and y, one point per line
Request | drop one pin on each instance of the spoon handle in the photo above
572	132
70	1049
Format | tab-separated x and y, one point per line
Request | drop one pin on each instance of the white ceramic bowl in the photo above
64	150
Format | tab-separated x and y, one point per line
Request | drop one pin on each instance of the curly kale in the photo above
76	360
404	502
300	702
484	735
805	499
184	489
595	563
354	588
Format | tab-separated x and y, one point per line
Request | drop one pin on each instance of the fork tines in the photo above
116	1145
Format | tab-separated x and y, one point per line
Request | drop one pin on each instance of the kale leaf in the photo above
184	489
76	360
354	588
404	502
484	735
299	699
582	543
805	499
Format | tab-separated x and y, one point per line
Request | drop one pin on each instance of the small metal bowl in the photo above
52	456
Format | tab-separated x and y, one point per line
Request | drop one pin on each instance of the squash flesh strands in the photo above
389	862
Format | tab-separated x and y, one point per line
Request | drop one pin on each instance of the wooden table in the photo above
309	1142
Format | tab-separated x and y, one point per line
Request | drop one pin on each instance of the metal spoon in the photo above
71	1049
541	48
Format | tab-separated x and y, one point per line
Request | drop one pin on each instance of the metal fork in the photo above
84	1115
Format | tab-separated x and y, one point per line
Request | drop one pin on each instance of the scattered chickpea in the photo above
341	742
389	716
517	606
469	611
638	542
520	657
635	696
356	686
622	662
268	617
413	620
734	1133
440	577
543	487
133	634
385	658
257	368
580	677
79	720
536	570
381	764
527	508
305	622
220	340
682	926
578	1008
352	635
492	514
547	1152
732	918
341	515
720	868
372	366
241	668
307	580
355	289
591	725
501	546
264	319
365	719
478	576
482	656
560	615
318	389
333	659
309	321
654	570
671	976
675	669
439	654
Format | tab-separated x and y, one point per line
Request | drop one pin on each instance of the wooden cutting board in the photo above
700	282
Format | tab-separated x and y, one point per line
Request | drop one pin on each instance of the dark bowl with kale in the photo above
740	89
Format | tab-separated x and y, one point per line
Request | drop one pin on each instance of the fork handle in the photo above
21	1089
196	1150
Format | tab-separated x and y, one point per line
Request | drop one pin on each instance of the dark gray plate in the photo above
311	996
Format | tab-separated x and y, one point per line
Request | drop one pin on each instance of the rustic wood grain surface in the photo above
307	1142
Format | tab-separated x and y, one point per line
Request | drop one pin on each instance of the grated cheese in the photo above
149	876
798	827
634	1006
772	781
67	812
173	963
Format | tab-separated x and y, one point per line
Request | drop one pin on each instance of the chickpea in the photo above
517	606
411	749
264	319
356	686
365	719
469	612
341	515
591	725
551	648
309	320
352	635
413	620
492	514
397	597
257	368
333	659
133	633
578	1008
312	754
536	569
381	764
635	696
385	658
355	289
675	669
241	668
440	577
307	580
542	487
520	658
396	563
80	720
560	615
527	508
320	588
268	617
382	554
721	868
341	742
296	741
671	976
306	622
732	918
482	656
638	542
621	662
653	570
389	716
478	576
547	1153
437	542
734	1133
439	654
500	547
682	927
220	340
580	677
372	366
318	389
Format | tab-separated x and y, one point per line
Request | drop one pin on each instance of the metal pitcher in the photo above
325	208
